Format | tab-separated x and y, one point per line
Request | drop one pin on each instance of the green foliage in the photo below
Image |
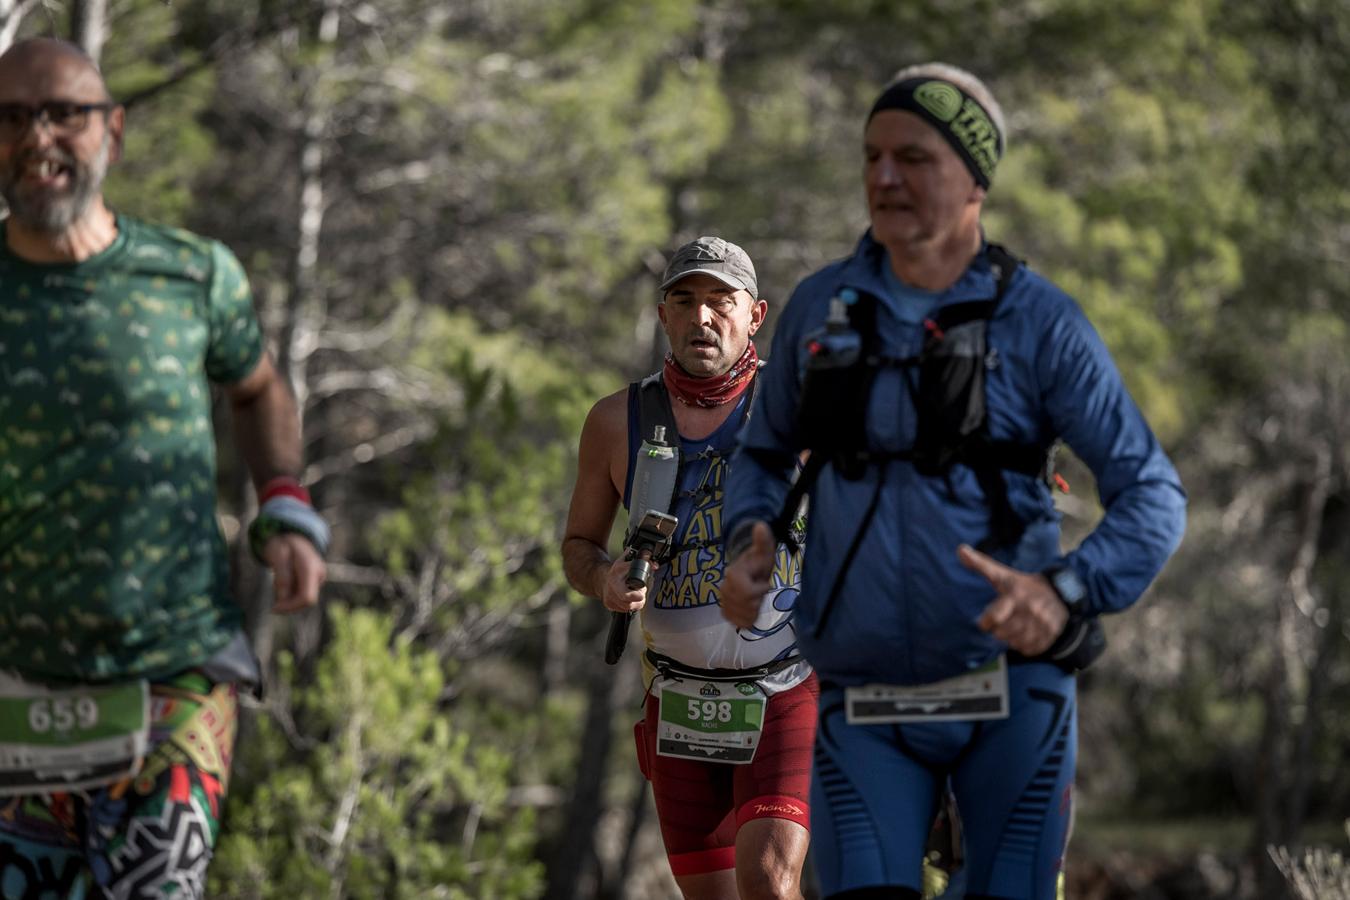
166	143
581	145
1135	166
372	791
500	183
487	513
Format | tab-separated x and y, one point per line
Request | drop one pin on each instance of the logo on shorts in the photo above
788	808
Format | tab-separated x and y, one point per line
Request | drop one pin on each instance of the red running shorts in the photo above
701	805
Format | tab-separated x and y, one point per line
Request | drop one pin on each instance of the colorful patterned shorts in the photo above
148	836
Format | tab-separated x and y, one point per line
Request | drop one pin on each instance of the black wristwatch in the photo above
1068	585
1082	640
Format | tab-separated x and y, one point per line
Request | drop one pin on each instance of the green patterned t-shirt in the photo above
112	564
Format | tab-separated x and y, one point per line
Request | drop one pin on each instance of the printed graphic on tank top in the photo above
682	619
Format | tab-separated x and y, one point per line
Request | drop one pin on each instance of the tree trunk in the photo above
11	17
1326	646
1287	684
557	644
305	303
305	300
89	26
1271	765
613	889
574	858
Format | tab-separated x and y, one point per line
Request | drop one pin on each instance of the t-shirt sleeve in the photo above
236	342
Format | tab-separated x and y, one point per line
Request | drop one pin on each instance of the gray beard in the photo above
53	215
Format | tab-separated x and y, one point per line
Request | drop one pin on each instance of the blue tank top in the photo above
682	619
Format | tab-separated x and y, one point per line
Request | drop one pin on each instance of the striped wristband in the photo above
284	486
285	508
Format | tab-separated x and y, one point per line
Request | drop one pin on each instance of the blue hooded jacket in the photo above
907	609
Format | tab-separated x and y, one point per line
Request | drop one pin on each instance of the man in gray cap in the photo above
730	715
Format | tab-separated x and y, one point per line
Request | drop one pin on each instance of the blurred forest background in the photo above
453	215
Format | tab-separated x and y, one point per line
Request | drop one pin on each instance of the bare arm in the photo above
267	431
266	423
602	465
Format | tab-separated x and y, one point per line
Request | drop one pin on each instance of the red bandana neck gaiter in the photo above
713	391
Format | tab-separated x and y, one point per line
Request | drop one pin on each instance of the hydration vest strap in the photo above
781	526
654	407
655	477
862	316
828	607
988	458
1005	525
1004	266
969	311
1013	456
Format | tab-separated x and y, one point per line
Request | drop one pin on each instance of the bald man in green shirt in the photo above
121	648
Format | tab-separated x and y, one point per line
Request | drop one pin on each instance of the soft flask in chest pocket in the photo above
835	384
949	401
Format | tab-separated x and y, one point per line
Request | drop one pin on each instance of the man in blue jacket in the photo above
942	617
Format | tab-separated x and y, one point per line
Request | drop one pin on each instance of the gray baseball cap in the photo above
713	256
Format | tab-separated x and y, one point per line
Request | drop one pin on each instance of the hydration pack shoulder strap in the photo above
1003	265
835	425
656	468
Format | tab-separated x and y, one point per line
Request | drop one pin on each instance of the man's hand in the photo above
1027	614
747	580
618	598
297	572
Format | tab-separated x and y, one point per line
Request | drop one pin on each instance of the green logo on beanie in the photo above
939	98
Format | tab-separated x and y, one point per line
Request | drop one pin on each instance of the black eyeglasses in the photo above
61	118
